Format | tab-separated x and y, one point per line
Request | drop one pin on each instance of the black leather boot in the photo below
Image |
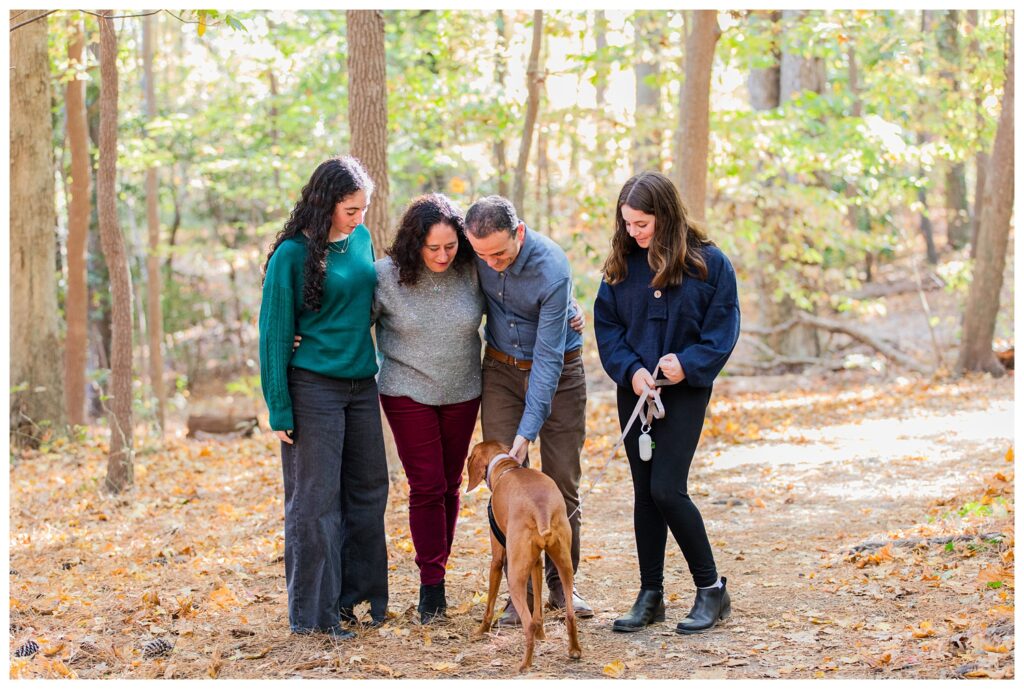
710	606
432	603
648	609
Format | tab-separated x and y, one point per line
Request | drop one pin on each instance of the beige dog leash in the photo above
655	410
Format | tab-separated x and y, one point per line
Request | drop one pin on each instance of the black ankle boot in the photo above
648	609
710	606
432	602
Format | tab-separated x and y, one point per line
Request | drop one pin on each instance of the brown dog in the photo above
530	511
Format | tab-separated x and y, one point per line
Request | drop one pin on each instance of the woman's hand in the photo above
671	367
642	378
296	342
284	436
579	320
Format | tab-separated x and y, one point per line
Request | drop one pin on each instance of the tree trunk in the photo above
925	221
500	73
368	127
993	234
534	79
35	334
981	164
368	113
76	303
542	207
647	131
678	137
796	72
957	219
981	157
154	310
692	155
600	71
120	473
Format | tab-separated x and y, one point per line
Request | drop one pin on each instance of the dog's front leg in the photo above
497	561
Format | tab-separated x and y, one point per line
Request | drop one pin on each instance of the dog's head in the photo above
479	458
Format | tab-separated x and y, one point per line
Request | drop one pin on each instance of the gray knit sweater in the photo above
428	334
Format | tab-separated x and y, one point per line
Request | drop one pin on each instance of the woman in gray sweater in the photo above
428	306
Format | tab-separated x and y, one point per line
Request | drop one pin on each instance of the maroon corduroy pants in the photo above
433	442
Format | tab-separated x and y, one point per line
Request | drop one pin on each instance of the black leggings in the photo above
660	500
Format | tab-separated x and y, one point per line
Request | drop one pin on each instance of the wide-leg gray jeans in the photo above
335	493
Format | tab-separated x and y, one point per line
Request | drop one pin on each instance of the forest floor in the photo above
830	504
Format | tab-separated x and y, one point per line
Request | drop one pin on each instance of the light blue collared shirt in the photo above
527	318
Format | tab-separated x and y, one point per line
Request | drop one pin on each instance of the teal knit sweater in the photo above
336	339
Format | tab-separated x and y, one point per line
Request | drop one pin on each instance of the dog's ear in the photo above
475	468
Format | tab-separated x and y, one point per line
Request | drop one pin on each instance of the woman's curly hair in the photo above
333	180
423	213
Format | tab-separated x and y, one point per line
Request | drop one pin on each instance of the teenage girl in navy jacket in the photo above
668	300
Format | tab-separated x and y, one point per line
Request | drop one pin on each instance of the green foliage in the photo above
248	102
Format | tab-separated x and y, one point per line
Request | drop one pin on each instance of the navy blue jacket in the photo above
699	321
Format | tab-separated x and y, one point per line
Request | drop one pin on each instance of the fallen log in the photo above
887	350
934	540
220	424
875	290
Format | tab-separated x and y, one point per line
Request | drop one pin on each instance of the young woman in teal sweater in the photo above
318	283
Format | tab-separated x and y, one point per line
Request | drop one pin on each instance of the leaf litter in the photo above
193	558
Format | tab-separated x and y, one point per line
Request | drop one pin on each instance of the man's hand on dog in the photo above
520	446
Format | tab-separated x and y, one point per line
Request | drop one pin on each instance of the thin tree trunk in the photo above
154	310
646	68
76	303
981	165
982	306
368	126
120	472
368	112
534	79
38	396
692	156
925	221
957	221
601	43
273	114
763	83
981	156
796	72
796	75
500	73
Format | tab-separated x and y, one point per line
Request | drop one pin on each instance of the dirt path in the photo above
786	483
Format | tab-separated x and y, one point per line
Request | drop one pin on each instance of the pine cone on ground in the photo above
27	649
157	647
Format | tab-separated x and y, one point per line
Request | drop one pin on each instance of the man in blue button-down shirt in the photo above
533	380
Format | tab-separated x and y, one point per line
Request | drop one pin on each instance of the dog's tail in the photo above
543	532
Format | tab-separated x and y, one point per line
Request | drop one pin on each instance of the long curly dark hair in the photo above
333	180
423	213
678	237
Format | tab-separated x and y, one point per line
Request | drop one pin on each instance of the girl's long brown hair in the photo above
675	249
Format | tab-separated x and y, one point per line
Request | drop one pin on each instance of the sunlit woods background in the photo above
862	159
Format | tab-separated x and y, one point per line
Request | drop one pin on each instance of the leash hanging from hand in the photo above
655	410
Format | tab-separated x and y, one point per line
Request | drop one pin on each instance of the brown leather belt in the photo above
525	364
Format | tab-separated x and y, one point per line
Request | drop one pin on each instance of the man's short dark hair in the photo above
489	215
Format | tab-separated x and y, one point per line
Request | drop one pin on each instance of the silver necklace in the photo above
436	287
344	245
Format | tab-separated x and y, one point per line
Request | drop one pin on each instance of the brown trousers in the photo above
561	437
